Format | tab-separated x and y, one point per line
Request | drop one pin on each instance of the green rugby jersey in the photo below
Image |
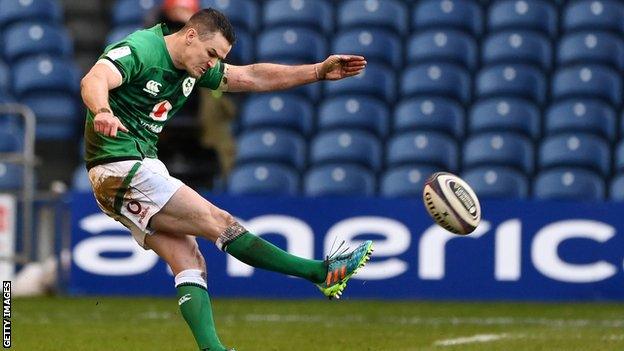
152	91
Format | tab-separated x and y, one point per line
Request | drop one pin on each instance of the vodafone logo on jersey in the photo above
160	111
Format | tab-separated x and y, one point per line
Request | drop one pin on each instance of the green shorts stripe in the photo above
124	187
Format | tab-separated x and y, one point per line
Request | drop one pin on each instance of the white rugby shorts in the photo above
131	192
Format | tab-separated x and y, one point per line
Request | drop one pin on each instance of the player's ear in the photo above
190	34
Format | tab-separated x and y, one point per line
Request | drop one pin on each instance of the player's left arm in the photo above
269	77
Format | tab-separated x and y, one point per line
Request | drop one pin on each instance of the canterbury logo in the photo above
152	87
183	299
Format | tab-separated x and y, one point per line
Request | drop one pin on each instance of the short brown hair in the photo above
208	21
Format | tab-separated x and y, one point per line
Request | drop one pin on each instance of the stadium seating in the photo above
317	14
339	180
581	115
278	110
619	157
436	79
497	182
346	146
243	52
499	149
423	148
10	177
291	43
505	114
538	15
569	184
517	47
120	32
354	112
5	77
390	14
263	179
593	14
575	150
10	141
514	80
80	179
132	12
35	10
44	74
616	188
461	14
33	38
443	46
437	114
377	45
590	81
405	181
242	13
376	80
591	47
272	145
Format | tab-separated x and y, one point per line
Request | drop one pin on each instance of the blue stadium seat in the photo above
405	181
377	45
263	179
588	81
278	110
591	47
436	79
619	157
505	114
272	145
35	10
5	79
10	177
120	32
354	112
443	46
376	80
346	146
581	115
497	182
461	14
80	179
423	148
313	13
515	80
592	14
616	189
242	13
43	74
339	180
294	43
569	184
10	141
539	15
499	149
575	150
429	113
243	50
390	14
61	122
32	38
126	12
518	47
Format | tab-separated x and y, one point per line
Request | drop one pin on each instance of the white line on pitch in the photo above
479	338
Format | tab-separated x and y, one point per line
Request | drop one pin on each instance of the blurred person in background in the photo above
135	87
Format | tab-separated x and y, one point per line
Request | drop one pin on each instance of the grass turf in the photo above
94	324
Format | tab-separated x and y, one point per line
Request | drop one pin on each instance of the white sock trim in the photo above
194	276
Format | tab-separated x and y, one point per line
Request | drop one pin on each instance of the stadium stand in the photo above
354	112
443	46
465	15
264	178
405	181
346	146
497	182
569	184
429	114
339	180
423	148
505	115
278	110
272	145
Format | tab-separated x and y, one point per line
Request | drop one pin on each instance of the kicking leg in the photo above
188	265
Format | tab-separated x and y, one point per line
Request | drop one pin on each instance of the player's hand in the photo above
106	123
340	66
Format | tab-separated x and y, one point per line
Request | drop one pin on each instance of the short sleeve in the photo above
125	57
214	78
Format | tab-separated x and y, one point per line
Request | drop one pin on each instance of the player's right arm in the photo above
94	89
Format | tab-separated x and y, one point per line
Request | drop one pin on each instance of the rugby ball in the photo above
451	203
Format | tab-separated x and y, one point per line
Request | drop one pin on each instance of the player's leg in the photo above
188	265
189	213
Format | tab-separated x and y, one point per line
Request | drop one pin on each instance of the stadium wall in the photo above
523	250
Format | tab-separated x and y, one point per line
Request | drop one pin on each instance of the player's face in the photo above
203	55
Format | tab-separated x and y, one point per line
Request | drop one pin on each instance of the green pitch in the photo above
94	324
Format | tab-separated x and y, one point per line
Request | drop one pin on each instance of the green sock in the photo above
197	311
260	253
